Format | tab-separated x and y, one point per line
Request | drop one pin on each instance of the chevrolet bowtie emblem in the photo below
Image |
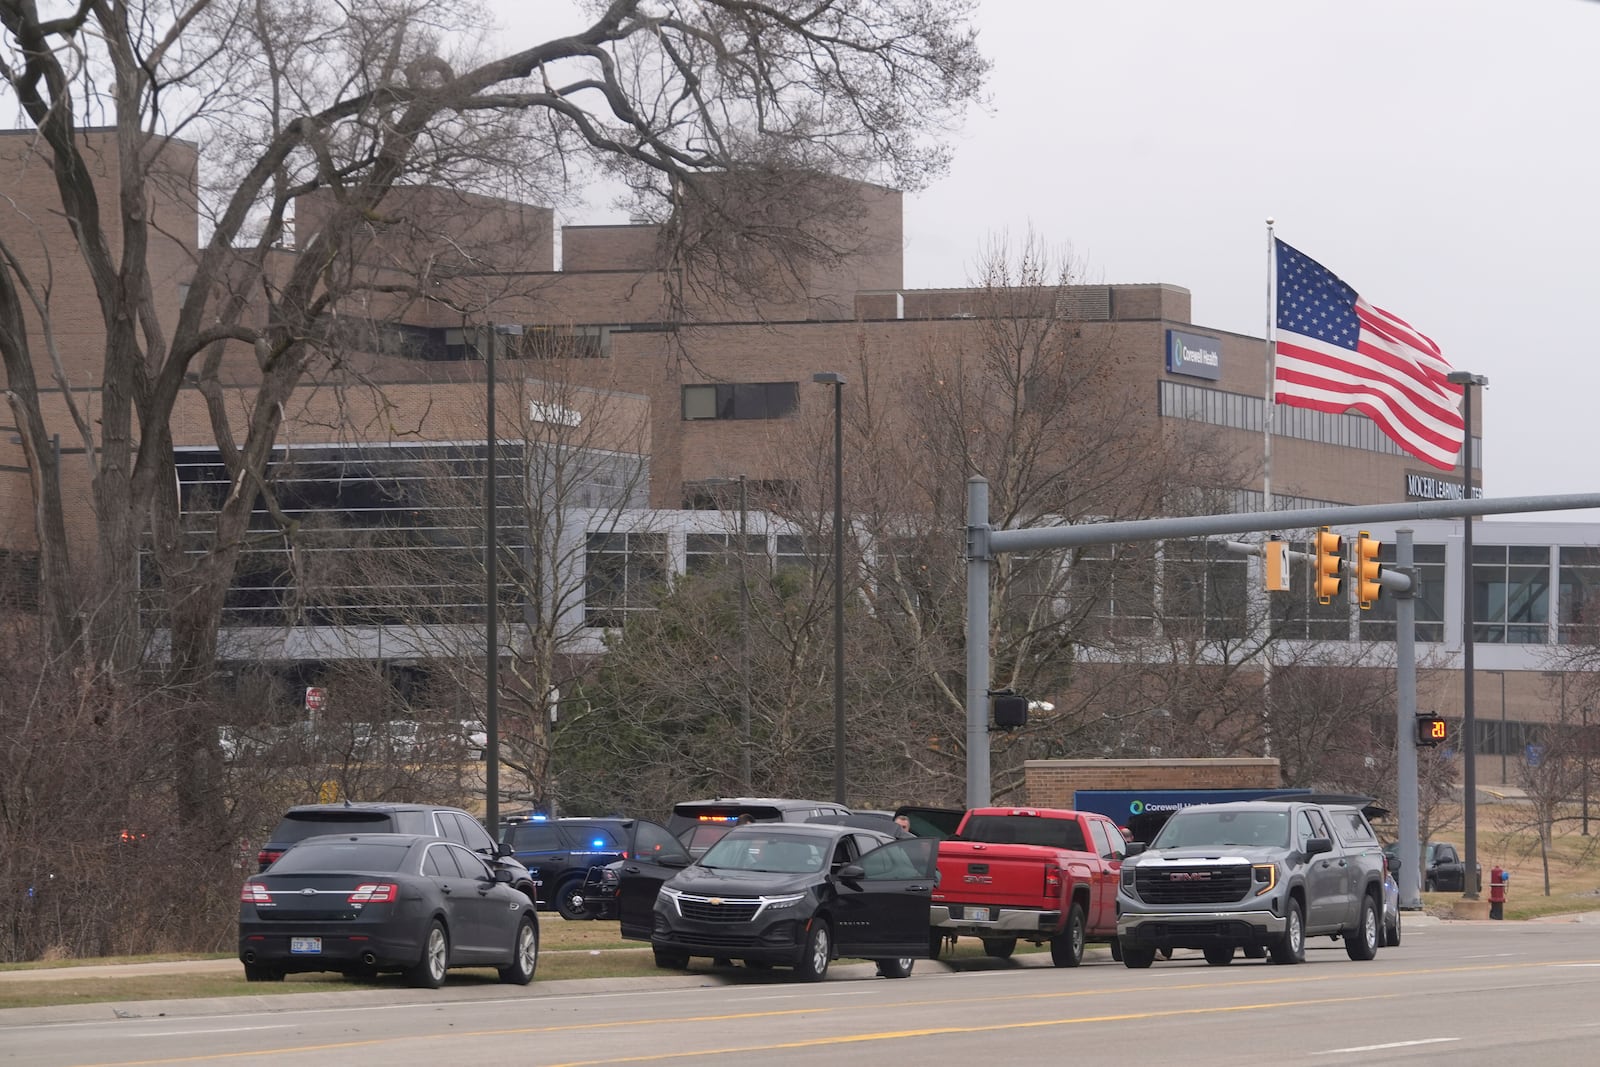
715	900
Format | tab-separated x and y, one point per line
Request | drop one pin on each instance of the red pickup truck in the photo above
1029	874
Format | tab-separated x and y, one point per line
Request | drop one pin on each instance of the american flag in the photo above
1336	352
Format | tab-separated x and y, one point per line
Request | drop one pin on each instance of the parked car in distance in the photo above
564	854
1443	869
699	823
796	895
452	824
361	904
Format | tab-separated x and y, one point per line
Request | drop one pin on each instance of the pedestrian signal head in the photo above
1430	730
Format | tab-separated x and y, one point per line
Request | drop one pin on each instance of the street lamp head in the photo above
1461	377
828	377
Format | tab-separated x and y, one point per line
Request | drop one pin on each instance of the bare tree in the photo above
689	101
1046	407
574	467
1041	404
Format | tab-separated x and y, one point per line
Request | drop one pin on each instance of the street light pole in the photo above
837	381
744	642
491	581
1469	783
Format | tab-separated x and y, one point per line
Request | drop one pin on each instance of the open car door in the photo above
638	881
883	898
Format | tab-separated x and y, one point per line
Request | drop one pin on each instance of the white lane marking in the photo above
1380	1048
1489	956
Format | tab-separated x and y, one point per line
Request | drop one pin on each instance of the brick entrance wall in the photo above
1051	783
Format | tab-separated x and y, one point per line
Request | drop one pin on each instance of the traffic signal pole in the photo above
984	543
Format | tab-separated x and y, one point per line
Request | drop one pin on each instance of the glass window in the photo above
341	856
1205	590
904	859
1510	594
1352	828
653	842
470	864
1378	622
441	862
741	400
623	572
593	838
1578	594
699	402
1113	587
535	837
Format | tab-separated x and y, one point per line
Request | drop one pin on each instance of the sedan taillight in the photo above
255	893
374	893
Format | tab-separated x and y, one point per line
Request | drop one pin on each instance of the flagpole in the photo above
1266	494
1266	423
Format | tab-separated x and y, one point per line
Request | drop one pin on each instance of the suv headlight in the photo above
774	903
671	896
1264	877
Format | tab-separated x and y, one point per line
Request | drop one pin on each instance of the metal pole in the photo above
1405	616
838	592
491	671
1469	781
744	645
978	562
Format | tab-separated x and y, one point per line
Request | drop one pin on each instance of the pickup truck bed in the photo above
1028	874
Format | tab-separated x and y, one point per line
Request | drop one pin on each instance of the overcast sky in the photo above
1442	156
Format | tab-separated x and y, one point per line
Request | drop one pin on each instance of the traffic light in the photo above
1365	586
1430	729
1328	553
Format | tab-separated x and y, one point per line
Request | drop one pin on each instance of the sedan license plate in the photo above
305	946
978	915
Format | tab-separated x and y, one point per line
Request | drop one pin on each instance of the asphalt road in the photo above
1455	992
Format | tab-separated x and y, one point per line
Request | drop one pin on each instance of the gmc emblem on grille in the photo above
1190	876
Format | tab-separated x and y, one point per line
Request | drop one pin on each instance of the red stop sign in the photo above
315	698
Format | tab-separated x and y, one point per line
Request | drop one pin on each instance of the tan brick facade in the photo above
1052	783
655	331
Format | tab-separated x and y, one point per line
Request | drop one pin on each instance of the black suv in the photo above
562	853
792	894
452	824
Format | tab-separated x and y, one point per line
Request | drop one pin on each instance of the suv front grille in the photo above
718	910
1209	884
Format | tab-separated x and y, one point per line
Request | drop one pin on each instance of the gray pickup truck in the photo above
1258	876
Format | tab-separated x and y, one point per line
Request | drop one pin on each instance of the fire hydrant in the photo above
1497	892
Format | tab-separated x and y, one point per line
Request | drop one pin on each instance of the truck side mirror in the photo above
1315	846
